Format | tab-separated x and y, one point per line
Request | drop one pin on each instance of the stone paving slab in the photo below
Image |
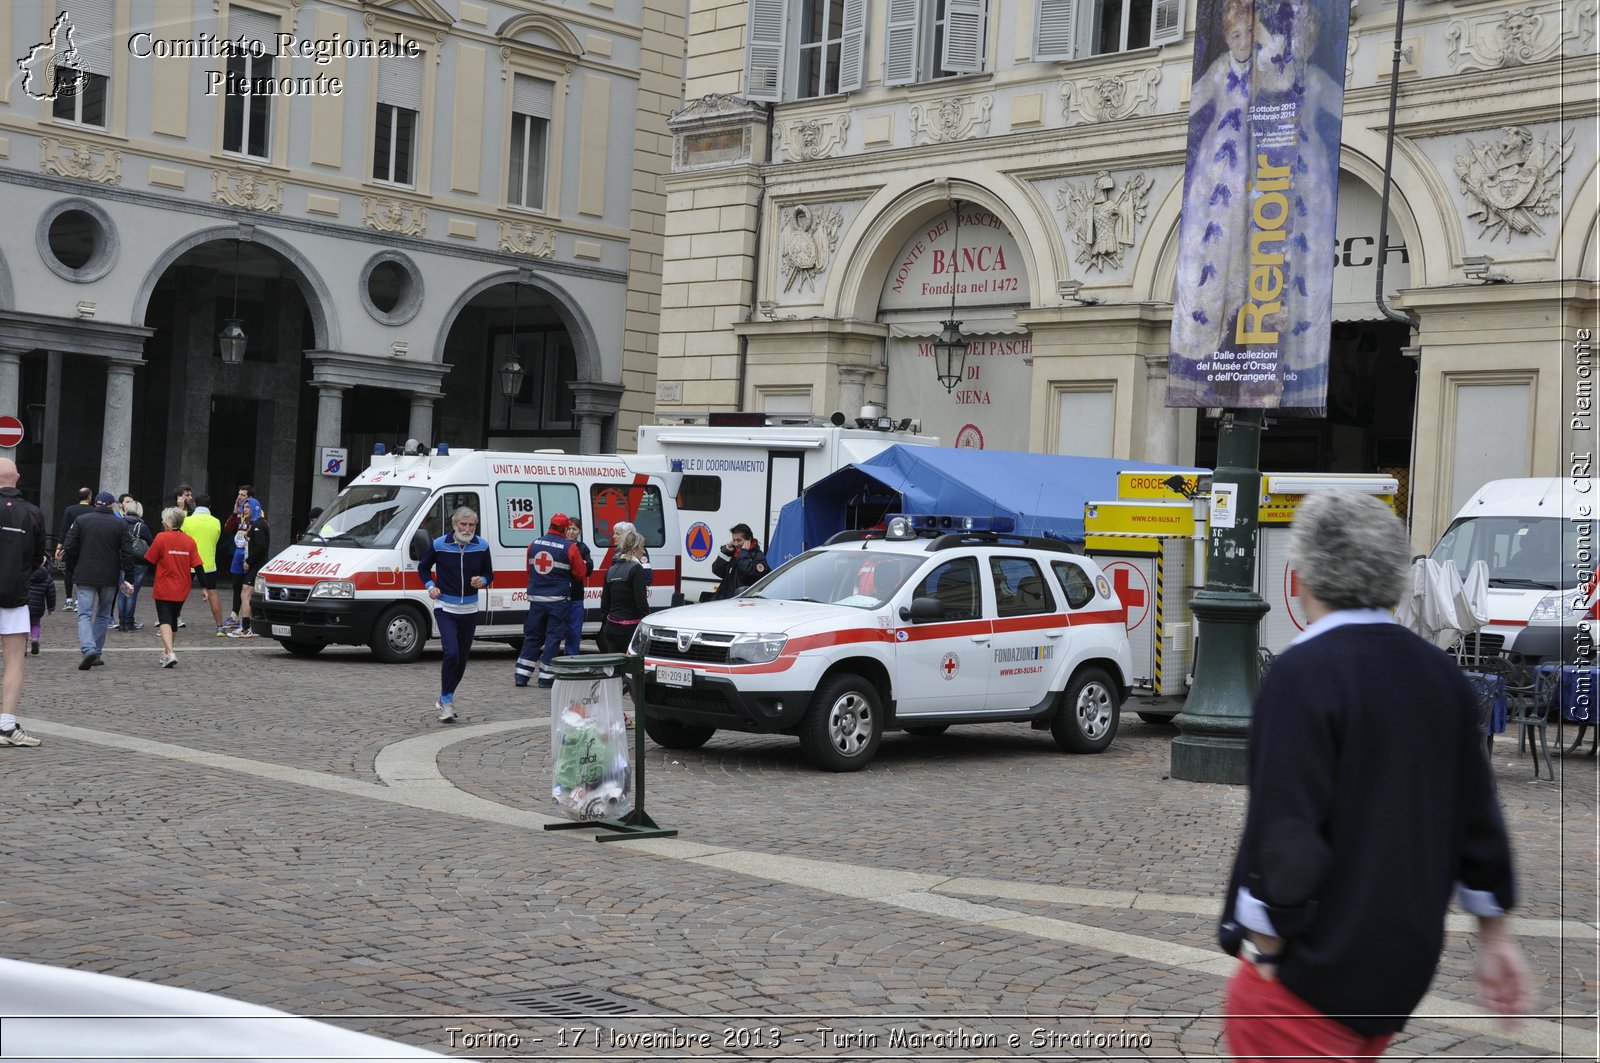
327	900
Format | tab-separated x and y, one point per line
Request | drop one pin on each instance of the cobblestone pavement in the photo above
301	833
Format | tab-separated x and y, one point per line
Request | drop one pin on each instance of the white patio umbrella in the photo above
1430	606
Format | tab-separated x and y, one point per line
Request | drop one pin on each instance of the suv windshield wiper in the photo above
1511	581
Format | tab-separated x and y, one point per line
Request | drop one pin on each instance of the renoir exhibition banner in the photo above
1254	292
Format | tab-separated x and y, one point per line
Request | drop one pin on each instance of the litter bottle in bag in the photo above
591	773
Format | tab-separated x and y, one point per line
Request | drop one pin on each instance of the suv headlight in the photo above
756	649
260	586
333	588
1560	606
640	641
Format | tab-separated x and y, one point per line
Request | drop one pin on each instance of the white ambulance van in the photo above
352	580
742	468
1537	535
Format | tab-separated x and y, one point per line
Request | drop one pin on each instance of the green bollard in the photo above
612	667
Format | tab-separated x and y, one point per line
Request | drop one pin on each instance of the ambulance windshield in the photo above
1530	553
367	516
856	578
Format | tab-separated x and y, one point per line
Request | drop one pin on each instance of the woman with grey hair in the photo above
1370	804
454	568
625	599
174	556
140	533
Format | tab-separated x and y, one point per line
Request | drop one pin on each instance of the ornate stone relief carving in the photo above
806	241
949	119
393	216
232	188
810	138
1112	97
1102	217
80	160
525	238
1511	182
1516	38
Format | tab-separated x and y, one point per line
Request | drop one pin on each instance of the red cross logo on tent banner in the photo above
1132	588
543	562
1291	597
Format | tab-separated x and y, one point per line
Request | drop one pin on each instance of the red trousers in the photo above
1264	1021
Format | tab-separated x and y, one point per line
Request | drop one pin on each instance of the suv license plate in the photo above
675	677
280	631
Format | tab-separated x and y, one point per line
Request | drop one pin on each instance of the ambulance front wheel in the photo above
1086	722
399	634
842	729
670	735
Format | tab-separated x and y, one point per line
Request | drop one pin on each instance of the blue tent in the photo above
1041	492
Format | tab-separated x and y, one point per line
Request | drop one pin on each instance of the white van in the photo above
1537	535
352	579
742	468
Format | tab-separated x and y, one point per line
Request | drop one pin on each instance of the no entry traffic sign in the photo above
10	431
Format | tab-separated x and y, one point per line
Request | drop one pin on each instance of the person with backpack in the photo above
41	600
625	598
140	537
100	551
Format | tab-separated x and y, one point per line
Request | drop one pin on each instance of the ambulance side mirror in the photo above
419	543
923	610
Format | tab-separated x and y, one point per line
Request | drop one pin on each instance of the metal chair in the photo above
1488	678
1530	698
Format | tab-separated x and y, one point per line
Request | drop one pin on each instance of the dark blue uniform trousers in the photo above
542	633
455	638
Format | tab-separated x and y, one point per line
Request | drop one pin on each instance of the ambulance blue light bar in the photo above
910	525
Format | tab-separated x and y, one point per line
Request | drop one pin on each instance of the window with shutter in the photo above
247	110
1052	27
81	92
1168	27
902	41
763	65
962	52
394	143
532	102
819	48
1122	25
852	49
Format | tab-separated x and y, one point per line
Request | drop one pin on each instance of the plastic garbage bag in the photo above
591	773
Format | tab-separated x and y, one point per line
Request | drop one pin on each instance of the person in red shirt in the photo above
174	556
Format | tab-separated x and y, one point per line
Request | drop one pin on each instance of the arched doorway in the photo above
960	263
512	336
216	426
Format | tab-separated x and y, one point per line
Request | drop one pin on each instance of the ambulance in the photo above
1537	535
352	579
742	468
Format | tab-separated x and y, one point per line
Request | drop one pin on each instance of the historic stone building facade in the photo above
390	226
828	150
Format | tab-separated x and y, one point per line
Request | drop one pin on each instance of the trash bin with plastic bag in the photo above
591	770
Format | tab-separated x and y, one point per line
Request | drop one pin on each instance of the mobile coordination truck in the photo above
352	579
741	468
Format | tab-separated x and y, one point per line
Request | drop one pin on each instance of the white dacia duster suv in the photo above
931	623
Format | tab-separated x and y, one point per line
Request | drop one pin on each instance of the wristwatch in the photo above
1266	964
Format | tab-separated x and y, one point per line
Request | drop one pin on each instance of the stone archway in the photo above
561	399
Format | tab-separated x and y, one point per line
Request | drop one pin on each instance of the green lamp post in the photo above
1215	721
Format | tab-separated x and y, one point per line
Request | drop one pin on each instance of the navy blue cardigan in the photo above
1370	802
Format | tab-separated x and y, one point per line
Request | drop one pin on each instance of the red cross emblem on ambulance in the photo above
950	666
543	562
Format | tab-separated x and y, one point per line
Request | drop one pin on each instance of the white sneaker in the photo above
447	711
171	661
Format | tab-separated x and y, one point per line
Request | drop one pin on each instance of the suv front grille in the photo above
287	594
707	647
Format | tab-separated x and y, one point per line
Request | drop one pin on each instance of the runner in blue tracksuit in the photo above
454	568
554	561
